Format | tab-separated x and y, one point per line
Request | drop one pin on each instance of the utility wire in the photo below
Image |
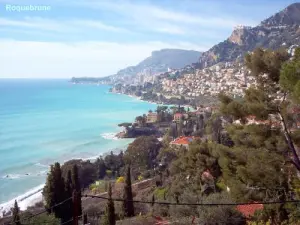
70	220
37	214
194	204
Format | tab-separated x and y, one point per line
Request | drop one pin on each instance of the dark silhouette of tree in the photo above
69	191
127	195
54	192
101	168
77	187
16	216
109	218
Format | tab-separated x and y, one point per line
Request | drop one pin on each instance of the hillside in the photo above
161	60
279	30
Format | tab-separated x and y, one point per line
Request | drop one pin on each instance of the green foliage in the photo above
142	152
290	75
189	167
266	62
226	215
120	180
48	219
160	193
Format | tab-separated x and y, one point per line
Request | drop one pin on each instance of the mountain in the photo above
279	30
161	60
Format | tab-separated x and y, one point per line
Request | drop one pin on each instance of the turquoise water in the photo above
43	121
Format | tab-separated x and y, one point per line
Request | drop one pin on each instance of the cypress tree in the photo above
59	192
109	218
16	216
127	195
101	168
69	191
48	191
54	191
76	186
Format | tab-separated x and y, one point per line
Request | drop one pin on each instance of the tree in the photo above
101	168
109	218
140	120
127	195
277	84
16	216
142	152
76	187
226	215
69	192
54	192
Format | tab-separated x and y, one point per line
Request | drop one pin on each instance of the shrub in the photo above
120	180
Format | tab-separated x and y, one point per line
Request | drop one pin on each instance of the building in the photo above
178	117
152	117
250	209
182	141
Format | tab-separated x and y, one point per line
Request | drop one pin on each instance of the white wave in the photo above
109	136
12	176
30	198
41	165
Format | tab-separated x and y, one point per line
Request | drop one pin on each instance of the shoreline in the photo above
34	195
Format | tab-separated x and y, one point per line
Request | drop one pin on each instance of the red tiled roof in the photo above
294	110
250	209
178	114
182	140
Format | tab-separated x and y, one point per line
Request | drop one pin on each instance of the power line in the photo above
70	220
194	204
37	214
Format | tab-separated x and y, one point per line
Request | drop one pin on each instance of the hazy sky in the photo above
99	37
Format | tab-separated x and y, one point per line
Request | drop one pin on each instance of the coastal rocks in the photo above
138	131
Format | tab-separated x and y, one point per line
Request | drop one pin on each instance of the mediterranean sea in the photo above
44	121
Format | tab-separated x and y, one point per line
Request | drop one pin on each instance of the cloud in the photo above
63	60
153	13
69	25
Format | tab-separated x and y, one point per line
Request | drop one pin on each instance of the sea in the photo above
46	121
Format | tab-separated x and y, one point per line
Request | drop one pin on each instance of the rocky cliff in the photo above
280	30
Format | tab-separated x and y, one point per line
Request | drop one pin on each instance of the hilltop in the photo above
280	30
161	60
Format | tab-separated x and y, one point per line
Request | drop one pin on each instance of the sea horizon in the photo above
47	120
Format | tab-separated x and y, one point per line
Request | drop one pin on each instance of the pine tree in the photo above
127	195
16	216
76	187
276	76
109	218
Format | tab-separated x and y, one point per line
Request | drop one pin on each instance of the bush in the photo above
120	180
160	193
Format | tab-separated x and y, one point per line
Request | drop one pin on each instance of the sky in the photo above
97	38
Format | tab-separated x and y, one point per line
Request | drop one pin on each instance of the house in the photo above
178	117
249	209
152	117
182	141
